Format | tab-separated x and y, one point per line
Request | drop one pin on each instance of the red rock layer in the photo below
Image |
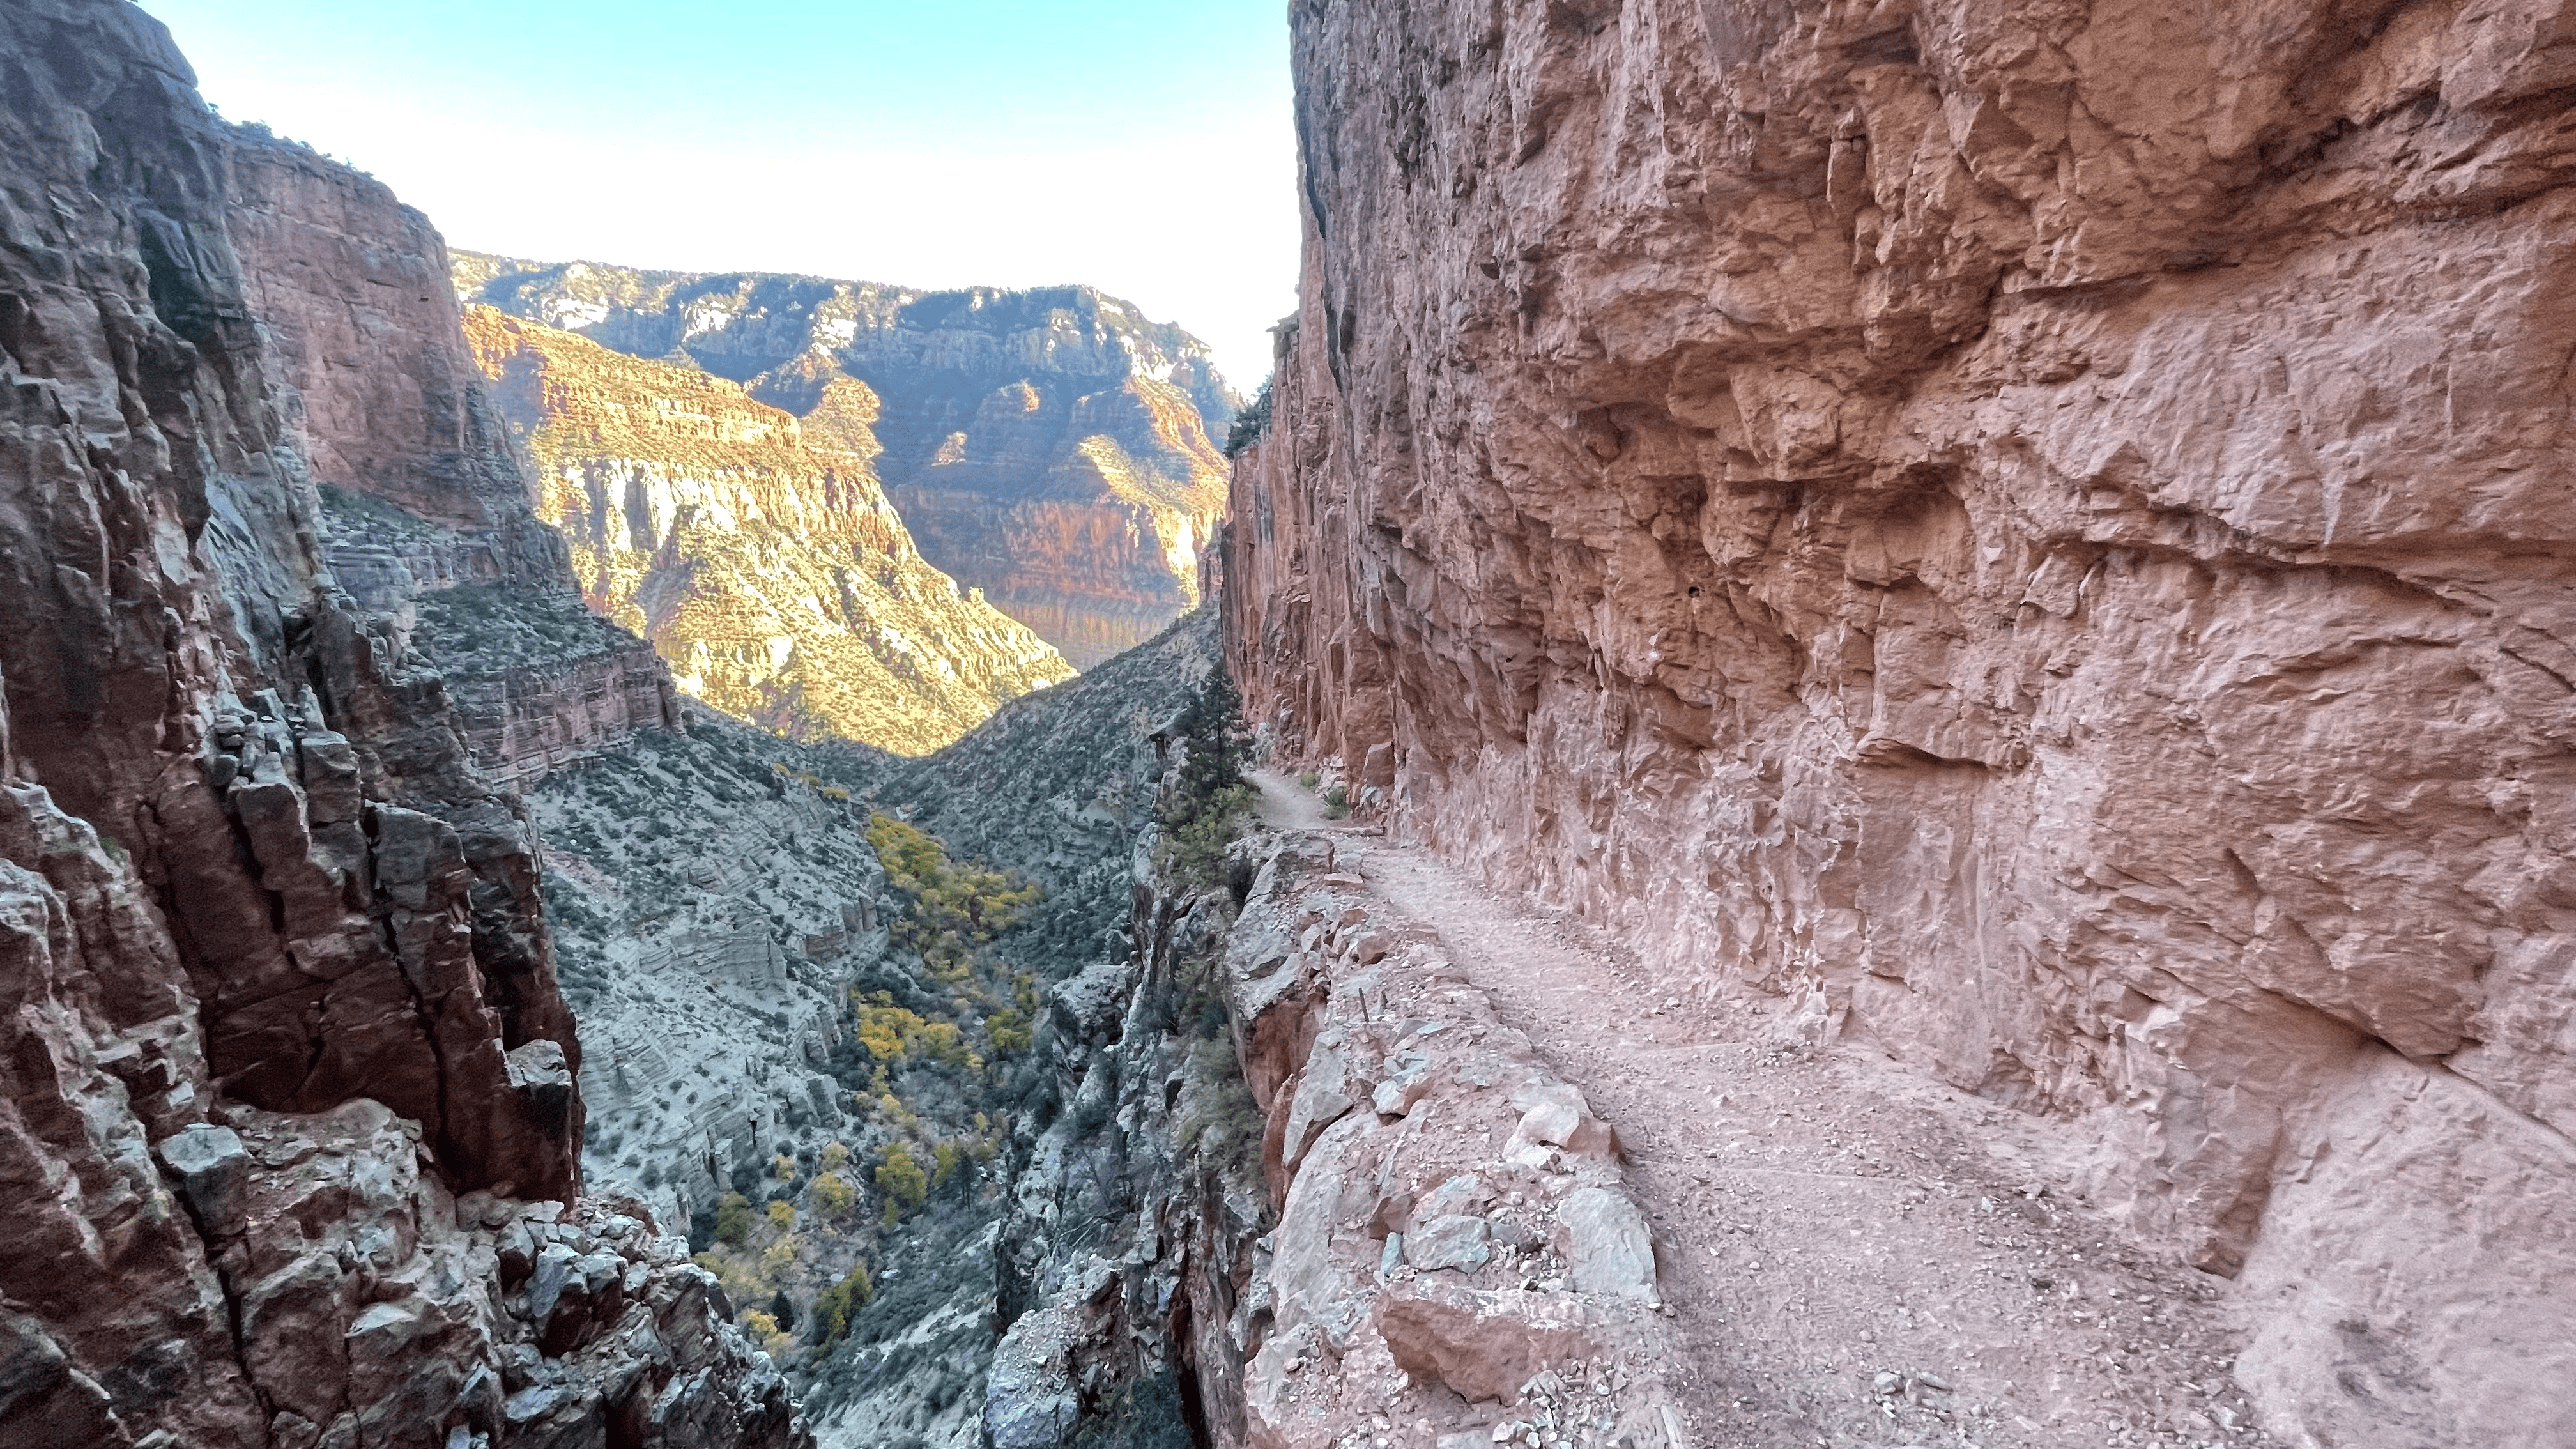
754	548
424	491
1082	517
359	326
2046	525
539	683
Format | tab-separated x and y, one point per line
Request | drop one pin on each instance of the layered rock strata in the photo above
358	327
1048	447
2041	530
1364	1206
277	980
424	490
754	549
540	682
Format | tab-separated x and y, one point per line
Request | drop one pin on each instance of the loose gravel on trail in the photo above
1857	1256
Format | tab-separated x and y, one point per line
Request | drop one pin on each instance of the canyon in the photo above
1050	448
1870	746
2026	543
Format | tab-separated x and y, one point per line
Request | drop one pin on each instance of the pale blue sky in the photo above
1142	147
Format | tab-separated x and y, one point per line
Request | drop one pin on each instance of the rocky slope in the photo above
1056	787
1050	447
714	907
288	1116
1310	1189
761	1026
753	548
2033	533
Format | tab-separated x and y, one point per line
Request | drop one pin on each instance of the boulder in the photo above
212	1167
1451	1241
1607	1247
1481	1344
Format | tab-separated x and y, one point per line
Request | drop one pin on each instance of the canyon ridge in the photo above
1048	448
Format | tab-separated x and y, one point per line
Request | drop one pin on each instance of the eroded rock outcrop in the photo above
2041	530
278	986
754	548
1455	1249
540	682
1348	1200
1050	448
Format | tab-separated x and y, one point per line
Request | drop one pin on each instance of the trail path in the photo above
1856	1256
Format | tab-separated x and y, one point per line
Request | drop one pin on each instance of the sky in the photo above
1143	147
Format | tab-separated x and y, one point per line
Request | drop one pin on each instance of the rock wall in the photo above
1050	448
2042	526
754	549
278	986
539	682
424	491
359	327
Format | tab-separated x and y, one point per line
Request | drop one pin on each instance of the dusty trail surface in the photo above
1857	1257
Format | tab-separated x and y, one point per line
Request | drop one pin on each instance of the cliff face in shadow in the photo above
288	1114
2038	534
1048	447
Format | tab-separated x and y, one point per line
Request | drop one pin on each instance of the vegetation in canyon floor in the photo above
935	1063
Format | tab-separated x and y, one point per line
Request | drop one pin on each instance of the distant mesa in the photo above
1048	447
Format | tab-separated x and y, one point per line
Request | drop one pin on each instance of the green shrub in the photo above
1008	1032
733	1219
1210	804
952	909
833	1195
1250	424
1337	803
902	1182
828	1321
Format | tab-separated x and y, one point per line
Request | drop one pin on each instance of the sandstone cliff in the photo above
1050	447
287	1117
756	550
2039	529
422	489
360	326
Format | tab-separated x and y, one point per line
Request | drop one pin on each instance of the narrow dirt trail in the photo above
1856	1256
